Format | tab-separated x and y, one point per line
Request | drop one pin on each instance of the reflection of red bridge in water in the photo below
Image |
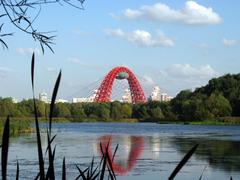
137	144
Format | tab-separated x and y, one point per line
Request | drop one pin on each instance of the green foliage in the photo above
126	110
229	87
8	107
156	113
219	98
77	111
218	105
116	110
104	111
61	110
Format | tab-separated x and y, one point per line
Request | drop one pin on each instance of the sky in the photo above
176	45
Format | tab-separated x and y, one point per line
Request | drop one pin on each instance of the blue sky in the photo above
174	44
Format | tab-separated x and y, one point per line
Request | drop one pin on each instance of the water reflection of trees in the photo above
220	154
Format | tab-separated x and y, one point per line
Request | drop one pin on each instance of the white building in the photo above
127	97
85	99
61	101
165	97
93	96
156	94
14	100
169	98
79	100
43	97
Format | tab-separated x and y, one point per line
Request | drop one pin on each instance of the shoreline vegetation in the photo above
217	103
23	125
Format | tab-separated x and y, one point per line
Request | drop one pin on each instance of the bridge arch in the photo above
105	90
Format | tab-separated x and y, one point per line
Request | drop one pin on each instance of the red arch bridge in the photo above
104	92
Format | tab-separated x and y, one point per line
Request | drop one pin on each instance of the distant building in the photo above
85	99
93	96
169	98
14	100
127	97
79	100
43	97
61	101
156	94
164	97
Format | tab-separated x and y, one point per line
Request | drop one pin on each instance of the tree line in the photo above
219	98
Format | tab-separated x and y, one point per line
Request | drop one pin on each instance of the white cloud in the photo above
132	14
148	80
50	69
26	51
81	32
142	38
4	71
192	14
229	42
183	71
115	32
81	63
202	45
178	77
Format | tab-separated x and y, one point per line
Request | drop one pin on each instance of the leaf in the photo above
32	70
4	44
64	170
17	174
183	162
54	95
200	178
50	172
5	146
39	144
82	173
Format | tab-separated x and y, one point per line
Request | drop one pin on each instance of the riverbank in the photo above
226	121
17	126
24	124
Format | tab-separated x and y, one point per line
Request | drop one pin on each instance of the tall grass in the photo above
103	170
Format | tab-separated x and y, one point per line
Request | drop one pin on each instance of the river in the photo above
146	150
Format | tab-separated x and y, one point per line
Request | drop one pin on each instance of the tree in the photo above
61	110
77	110
229	86
141	111
22	14
26	108
7	107
116	110
126	111
156	113
178	102
218	105
104	111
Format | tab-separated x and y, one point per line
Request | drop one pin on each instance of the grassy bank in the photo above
219	121
17	126
24	124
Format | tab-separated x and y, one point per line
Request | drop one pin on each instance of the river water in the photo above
146	150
